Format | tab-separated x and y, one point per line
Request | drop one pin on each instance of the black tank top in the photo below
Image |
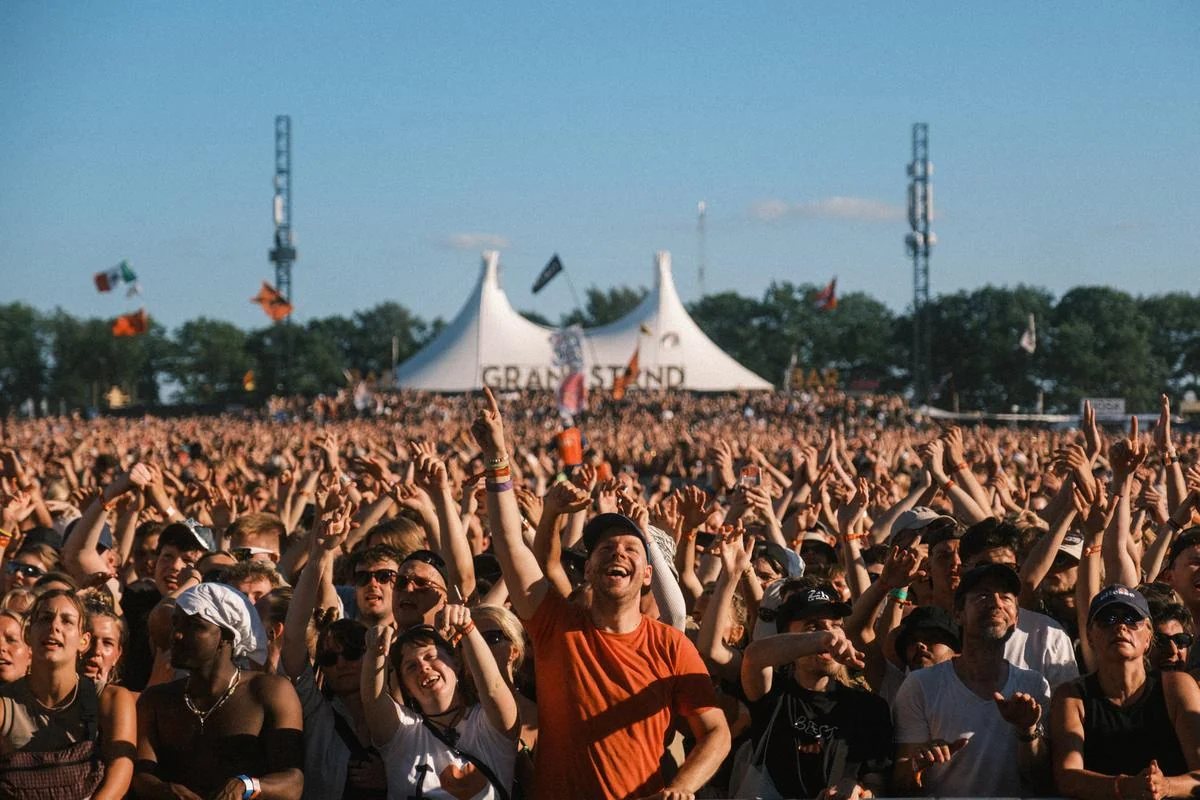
1124	740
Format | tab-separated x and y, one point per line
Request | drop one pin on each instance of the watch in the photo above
1037	733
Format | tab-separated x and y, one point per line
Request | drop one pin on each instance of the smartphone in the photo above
751	476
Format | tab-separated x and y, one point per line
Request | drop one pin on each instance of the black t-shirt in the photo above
1123	740
137	602
820	738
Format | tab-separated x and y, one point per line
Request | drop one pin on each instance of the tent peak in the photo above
491	267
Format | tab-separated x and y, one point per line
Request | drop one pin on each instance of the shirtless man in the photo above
219	733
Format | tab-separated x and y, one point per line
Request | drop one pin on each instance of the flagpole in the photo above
579	308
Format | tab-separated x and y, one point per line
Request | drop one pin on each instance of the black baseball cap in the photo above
106	539
928	618
809	603
419	632
431	558
1119	595
610	524
1003	574
1188	537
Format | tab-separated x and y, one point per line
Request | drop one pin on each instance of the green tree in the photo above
1175	337
210	360
23	369
87	360
602	307
1100	345
735	324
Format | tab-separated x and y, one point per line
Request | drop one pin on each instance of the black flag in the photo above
551	269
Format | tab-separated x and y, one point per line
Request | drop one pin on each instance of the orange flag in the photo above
133	324
826	299
631	373
272	302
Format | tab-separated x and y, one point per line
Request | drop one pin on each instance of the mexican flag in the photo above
111	279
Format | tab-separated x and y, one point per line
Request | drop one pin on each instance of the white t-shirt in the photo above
1040	644
450	777
934	704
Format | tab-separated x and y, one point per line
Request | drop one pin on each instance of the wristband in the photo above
170	511
500	487
498	462
1175	526
1091	551
5	538
253	787
900	594
948	485
1170	458
960	466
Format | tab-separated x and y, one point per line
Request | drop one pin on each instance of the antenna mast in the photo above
701	244
919	242
284	252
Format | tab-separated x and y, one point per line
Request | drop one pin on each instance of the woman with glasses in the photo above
455	734
338	758
1125	731
1173	636
505	635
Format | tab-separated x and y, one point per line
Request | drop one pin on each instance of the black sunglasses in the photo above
381	576
495	637
1181	640
1110	619
328	658
28	570
418	583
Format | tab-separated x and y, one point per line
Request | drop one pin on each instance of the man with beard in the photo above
610	680
961	723
219	733
815	733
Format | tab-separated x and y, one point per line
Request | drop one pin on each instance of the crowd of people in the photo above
771	595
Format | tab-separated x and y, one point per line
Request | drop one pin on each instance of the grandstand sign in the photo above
1108	409
513	377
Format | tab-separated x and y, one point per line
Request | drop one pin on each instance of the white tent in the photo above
672	350
488	342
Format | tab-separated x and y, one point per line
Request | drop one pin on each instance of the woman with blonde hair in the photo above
506	637
14	650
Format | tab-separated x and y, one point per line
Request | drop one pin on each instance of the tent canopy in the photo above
488	342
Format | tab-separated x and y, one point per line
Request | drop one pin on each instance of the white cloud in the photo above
861	209
474	241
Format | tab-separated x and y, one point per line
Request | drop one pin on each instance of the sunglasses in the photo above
248	553
1111	619
328	658
418	583
28	570
1182	641
380	576
495	637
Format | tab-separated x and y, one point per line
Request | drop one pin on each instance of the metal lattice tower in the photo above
284	252
919	241
701	245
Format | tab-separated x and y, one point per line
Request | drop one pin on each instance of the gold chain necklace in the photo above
204	715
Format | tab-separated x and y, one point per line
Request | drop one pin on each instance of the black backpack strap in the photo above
500	788
349	737
89	708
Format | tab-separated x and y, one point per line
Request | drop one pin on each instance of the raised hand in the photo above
1072	459
1093	441
565	497
1162	431
488	428
379	639
933	455
841	649
453	622
1126	455
954	454
936	752
902	567
849	512
431	473
1021	710
693	507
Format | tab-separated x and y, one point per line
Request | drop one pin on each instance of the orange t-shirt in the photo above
605	701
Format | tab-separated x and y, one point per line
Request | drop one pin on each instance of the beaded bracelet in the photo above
497	463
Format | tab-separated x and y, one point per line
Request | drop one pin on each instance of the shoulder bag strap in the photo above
760	752
479	765
348	736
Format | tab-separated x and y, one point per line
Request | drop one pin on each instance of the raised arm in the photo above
722	660
564	497
327	537
1126	456
460	566
763	655
378	706
526	582
1041	556
495	695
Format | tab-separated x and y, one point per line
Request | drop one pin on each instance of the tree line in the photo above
1091	341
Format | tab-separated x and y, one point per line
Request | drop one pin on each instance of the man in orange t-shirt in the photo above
609	679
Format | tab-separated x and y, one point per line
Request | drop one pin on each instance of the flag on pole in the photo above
248	381
644	330
572	394
112	278
623	381
826	299
272	302
1029	337
133	324
552	268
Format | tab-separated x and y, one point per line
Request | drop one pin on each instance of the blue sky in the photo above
1065	138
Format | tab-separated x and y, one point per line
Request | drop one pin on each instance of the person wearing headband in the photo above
220	732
